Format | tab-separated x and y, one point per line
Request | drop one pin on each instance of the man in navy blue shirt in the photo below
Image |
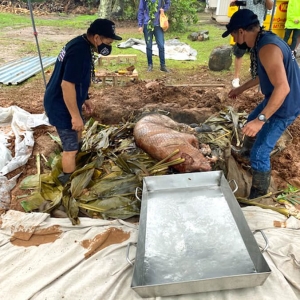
67	90
275	68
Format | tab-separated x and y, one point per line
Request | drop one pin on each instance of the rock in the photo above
193	36
199	36
220	58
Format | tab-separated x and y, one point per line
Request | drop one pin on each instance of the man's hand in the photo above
235	92
252	127
77	124
140	29
88	106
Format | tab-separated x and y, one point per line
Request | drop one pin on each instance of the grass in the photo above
81	22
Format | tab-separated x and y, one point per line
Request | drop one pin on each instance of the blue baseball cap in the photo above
240	19
104	27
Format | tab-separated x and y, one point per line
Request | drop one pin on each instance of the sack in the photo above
164	22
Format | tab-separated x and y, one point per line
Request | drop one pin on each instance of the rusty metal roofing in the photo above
19	70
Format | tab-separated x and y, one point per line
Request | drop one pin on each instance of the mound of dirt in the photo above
185	103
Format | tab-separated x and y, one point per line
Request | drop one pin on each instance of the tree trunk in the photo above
118	8
104	10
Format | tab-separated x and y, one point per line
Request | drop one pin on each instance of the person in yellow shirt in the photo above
292	24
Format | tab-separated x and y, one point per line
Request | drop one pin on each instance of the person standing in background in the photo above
259	7
148	22
292	24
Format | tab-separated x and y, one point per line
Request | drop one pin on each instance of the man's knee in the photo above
70	154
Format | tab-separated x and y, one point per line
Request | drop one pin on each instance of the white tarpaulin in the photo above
17	124
46	258
174	49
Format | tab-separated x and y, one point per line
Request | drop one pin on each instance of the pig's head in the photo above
193	164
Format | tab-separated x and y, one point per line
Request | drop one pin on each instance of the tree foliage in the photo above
181	14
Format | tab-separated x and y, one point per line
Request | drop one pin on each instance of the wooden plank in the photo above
127	58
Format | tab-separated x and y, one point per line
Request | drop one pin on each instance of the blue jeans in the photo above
160	40
266	139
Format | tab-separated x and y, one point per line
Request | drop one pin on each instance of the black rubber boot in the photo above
64	177
243	154
260	184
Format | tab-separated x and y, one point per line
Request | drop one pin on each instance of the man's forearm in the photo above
250	83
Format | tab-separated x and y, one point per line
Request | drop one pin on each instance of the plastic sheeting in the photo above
174	49
15	123
62	268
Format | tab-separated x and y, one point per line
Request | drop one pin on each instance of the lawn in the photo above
68	23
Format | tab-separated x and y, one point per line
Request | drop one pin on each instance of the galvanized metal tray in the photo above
193	237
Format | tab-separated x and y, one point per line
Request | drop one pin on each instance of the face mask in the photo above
104	49
242	46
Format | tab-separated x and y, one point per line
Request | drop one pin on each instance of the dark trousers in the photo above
287	34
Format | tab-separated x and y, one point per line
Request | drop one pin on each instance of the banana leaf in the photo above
115	172
32	181
103	205
103	138
119	185
116	207
71	207
87	197
121	213
32	202
52	193
125	144
80	182
235	121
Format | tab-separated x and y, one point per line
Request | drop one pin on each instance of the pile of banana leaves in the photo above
108	179
110	169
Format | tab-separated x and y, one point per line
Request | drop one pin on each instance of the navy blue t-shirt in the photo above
73	64
291	105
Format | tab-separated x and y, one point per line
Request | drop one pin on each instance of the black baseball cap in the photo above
240	19
104	27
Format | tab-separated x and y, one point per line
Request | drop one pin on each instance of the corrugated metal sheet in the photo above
19	70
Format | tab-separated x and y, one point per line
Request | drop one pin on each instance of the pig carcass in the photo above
159	136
